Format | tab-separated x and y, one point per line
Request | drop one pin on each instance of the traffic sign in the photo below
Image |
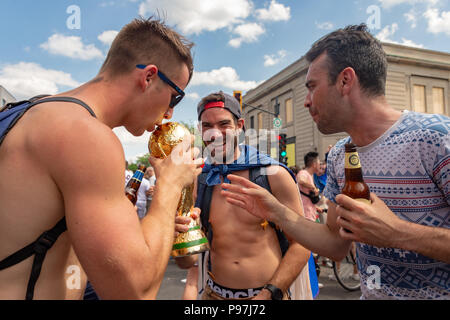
277	123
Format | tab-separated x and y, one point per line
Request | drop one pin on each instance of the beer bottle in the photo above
133	185
354	186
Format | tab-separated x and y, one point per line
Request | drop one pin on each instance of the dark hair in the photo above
148	41
310	157
294	169
354	47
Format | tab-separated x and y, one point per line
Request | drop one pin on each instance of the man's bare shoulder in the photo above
279	177
69	142
56	127
284	188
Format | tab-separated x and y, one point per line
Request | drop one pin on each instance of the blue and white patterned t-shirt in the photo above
408	167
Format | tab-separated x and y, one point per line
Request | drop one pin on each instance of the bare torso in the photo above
243	254
31	203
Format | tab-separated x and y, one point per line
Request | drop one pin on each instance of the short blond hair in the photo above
148	41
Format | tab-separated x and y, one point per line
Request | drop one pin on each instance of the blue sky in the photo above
47	47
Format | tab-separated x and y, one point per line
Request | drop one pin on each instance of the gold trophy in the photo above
160	145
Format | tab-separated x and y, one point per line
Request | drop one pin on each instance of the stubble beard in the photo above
224	156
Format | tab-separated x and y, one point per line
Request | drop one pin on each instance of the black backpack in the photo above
9	115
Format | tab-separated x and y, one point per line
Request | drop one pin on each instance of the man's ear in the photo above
147	76
346	80
240	123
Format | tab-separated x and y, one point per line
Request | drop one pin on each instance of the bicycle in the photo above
345	272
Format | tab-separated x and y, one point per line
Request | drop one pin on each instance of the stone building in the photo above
5	97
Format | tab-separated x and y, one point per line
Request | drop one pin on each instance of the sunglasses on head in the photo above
175	99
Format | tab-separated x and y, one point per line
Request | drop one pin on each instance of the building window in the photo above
260	121
429	95
252	122
420	104
289	111
438	100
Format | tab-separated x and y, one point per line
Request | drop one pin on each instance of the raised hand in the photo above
182	223
251	197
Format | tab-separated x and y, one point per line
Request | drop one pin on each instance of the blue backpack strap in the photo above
9	116
13	112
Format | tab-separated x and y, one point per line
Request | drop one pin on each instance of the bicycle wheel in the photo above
345	273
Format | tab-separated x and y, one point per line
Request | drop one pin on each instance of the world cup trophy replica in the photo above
161	143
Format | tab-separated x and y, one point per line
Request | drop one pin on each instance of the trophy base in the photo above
188	251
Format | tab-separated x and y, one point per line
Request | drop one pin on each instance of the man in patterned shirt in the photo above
403	236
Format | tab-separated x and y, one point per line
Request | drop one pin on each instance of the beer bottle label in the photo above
352	160
138	175
364	200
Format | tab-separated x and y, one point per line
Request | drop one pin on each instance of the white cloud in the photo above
325	25
438	21
410	43
392	3
193	95
196	16
247	33
133	146
27	79
224	77
275	12
107	37
387	32
107	4
273	59
71	46
411	17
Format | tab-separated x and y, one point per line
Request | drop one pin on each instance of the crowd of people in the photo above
259	217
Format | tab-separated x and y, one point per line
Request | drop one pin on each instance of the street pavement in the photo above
172	287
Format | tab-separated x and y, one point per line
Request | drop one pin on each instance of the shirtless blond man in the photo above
67	163
244	255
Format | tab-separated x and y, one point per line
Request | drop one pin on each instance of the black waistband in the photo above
229	293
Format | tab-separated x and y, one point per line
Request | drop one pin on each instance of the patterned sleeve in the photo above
332	188
441	168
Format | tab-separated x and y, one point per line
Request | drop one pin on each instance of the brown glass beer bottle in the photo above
354	185
133	185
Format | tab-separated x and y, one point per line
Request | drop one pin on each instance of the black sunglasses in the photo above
175	99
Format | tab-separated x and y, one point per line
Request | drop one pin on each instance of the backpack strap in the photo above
203	201
259	177
204	196
39	249
64	99
15	110
46	240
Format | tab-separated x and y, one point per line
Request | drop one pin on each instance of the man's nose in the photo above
168	114
307	102
212	135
